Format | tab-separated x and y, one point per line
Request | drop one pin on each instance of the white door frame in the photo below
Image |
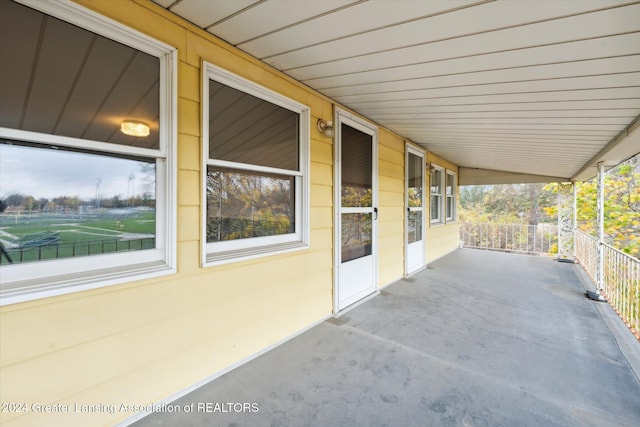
421	153
343	116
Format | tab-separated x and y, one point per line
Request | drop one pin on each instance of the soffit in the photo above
529	87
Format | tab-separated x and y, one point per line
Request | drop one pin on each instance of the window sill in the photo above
29	290
219	258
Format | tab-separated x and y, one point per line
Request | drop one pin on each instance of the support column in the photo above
575	217
566	220
600	227
597	295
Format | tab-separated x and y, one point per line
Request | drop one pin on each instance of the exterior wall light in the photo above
326	127
134	128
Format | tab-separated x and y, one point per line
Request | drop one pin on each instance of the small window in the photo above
436	195
83	204
256	157
450	190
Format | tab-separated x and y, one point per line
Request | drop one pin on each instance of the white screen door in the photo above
415	200
357	213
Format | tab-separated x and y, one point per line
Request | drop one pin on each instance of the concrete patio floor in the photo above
477	339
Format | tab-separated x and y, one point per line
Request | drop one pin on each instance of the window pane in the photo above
415	226
435	208
357	158
242	205
415	180
62	204
450	184
64	80
450	204
436	182
247	129
356	236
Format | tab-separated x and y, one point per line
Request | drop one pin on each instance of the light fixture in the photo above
325	127
134	128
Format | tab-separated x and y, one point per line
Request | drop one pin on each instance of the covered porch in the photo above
507	340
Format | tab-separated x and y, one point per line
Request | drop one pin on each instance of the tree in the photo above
536	203
512	203
621	207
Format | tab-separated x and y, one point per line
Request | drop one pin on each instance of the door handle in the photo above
375	213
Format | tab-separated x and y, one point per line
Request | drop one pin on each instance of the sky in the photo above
53	173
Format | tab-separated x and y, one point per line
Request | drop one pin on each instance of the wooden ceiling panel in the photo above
624	80
473	108
510	98
346	22
284	13
606	66
622	114
485	28
205	13
449	58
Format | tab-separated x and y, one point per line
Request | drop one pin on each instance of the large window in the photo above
437	175
450	190
84	202
256	161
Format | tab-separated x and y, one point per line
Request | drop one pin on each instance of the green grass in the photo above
106	237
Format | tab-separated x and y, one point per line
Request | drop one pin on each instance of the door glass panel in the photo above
415	226
356	236
356	167
414	186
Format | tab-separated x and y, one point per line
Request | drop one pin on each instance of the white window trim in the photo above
217	253
441	211
454	191
30	281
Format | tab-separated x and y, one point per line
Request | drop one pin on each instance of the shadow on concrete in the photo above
478	339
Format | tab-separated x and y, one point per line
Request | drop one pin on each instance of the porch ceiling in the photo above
528	87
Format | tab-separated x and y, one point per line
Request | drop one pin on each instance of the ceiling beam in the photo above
473	176
623	146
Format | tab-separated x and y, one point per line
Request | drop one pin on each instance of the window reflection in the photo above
414	226
356	236
243	204
246	129
415	181
57	203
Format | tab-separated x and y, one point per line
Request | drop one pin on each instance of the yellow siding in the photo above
141	342
441	238
391	208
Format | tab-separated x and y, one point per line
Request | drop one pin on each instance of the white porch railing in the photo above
587	253
621	277
520	238
622	285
